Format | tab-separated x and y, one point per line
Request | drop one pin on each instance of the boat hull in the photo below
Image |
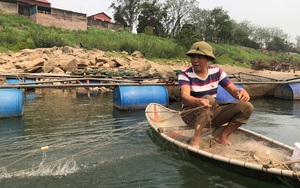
167	123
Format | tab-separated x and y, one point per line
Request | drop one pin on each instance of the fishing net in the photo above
51	161
197	117
249	150
296	157
244	146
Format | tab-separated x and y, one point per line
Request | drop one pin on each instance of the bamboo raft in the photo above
257	86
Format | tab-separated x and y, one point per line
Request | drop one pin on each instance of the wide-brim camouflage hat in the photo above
201	48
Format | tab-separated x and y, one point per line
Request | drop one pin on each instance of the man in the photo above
198	85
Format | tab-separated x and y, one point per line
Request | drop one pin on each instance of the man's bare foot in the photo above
195	143
223	141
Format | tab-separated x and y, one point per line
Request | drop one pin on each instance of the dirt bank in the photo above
271	74
74	60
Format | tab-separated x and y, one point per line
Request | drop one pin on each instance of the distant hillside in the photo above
20	33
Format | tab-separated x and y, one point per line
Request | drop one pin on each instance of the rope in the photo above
108	133
95	147
282	164
67	145
202	119
134	128
179	112
19	159
188	111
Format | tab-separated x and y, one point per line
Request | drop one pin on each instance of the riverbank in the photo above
77	61
277	75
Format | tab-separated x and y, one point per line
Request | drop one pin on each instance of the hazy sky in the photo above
263	13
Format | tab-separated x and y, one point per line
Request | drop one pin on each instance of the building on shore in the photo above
41	12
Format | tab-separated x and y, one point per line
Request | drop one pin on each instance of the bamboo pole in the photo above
79	85
249	74
282	163
114	82
75	79
33	84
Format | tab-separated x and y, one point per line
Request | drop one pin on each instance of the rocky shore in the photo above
78	61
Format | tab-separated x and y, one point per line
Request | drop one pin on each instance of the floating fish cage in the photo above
11	100
138	97
224	97
11	103
290	91
16	80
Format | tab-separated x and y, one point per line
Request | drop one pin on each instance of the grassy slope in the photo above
18	33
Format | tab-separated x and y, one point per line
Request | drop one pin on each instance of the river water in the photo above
91	144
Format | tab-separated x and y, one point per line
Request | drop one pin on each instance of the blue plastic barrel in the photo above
13	80
30	95
290	91
224	97
30	80
19	80
11	103
138	97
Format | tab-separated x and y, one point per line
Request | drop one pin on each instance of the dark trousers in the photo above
216	116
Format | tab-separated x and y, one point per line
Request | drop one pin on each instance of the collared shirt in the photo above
207	86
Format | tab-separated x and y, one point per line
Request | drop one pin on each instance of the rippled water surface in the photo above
91	144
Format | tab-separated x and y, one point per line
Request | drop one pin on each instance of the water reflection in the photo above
30	95
11	127
277	119
277	106
139	159
195	172
131	114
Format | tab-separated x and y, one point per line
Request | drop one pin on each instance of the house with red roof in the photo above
41	12
43	3
24	7
31	7
103	21
101	17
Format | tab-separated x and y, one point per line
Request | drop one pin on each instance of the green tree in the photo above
262	36
118	16
187	36
220	26
178	12
277	44
242	35
297	45
150	16
126	11
199	19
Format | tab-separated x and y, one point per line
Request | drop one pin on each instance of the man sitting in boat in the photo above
198	85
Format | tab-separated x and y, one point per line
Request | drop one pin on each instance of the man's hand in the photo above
243	95
204	102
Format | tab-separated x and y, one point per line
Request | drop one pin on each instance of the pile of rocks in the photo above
74	60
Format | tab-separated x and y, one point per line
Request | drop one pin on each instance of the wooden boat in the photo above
250	153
